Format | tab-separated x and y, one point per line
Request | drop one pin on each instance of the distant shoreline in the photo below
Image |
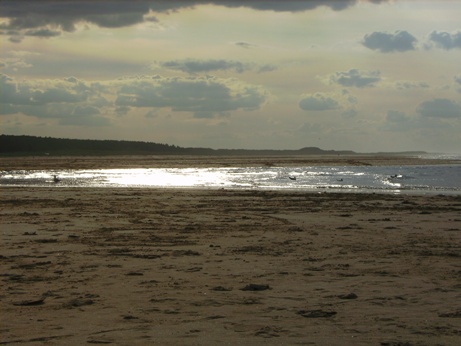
23	146
184	161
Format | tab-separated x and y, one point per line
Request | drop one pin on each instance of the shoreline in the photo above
55	164
129	266
159	161
316	191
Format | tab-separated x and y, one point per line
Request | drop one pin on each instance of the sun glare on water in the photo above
165	177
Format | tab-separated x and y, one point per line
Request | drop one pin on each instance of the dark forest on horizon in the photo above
22	145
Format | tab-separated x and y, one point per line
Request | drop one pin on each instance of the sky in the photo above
362	75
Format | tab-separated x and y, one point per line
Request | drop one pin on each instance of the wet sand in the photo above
178	161
205	267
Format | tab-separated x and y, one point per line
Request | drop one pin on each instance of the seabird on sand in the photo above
56	179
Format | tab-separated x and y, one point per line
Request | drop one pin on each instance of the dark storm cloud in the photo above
65	14
356	78
400	41
56	16
201	96
193	66
440	108
317	102
287	6
446	40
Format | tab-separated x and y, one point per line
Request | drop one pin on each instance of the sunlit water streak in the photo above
426	179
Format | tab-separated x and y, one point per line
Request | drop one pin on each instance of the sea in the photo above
425	179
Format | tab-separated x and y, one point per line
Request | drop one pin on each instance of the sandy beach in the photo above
205	267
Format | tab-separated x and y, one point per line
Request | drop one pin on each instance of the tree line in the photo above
22	145
32	145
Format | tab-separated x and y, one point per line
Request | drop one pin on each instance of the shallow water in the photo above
426	179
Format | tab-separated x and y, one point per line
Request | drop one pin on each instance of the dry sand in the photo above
206	267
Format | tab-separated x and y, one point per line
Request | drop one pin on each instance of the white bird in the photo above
56	179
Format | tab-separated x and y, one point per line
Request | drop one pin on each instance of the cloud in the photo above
70	101
199	95
47	18
349	113
14	63
57	95
406	85
457	80
318	102
10	92
39	93
85	111
394	116
446	40
439	108
266	68
66	114
194	66
356	78
85	116
245	45
43	32
399	122
201	66
400	41
66	14
288	6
